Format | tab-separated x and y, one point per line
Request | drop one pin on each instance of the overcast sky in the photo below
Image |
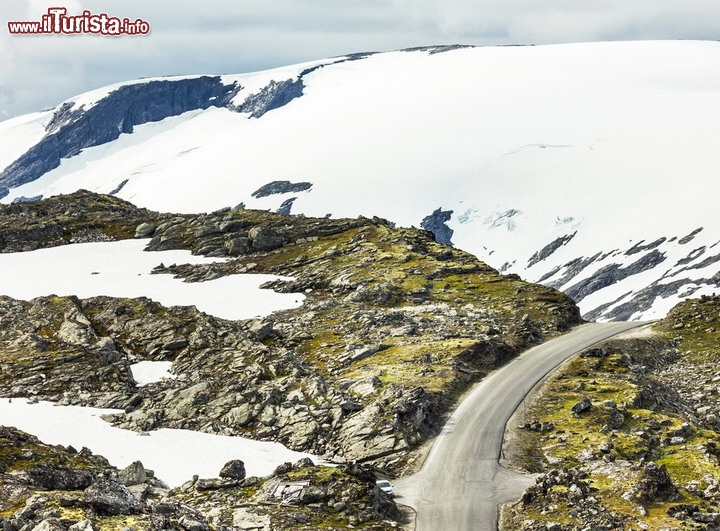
235	36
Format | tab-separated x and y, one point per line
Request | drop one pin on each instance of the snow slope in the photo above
610	146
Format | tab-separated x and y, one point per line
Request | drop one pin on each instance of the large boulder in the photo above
654	485
56	477
133	474
109	496
264	239
234	469
582	406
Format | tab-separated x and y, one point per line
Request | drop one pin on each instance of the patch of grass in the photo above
317	474
426	364
686	463
68	513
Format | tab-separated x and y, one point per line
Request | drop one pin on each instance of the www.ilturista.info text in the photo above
58	22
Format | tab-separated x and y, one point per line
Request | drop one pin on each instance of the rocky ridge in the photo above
77	218
625	436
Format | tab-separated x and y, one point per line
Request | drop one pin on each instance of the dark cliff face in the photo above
72	130
436	223
273	96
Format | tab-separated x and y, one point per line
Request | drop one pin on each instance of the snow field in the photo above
174	455
122	269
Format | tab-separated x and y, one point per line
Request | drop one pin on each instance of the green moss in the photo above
426	364
694	327
685	463
69	513
318	474
121	522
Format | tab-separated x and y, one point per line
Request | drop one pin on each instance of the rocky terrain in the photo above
626	436
78	218
394	328
53	488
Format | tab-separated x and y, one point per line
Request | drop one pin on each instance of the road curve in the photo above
461	482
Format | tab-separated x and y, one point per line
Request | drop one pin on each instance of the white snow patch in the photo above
174	455
122	269
147	372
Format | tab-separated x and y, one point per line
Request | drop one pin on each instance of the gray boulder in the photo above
82	525
264	238
51	524
145	230
133	474
109	496
582	406
261	329
238	246
234	469
56	477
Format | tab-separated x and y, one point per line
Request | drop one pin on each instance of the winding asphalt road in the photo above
461	482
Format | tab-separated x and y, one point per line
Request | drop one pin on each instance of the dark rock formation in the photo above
572	269
582	406
133	474
286	206
281	187
57	477
612	274
274	95
234	469
109	496
639	247
549	249
653	485
437	224
687	239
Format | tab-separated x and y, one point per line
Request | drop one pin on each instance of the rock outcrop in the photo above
75	218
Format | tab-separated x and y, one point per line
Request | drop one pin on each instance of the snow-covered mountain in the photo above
588	167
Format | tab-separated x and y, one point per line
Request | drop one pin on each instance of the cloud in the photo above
37	8
553	21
